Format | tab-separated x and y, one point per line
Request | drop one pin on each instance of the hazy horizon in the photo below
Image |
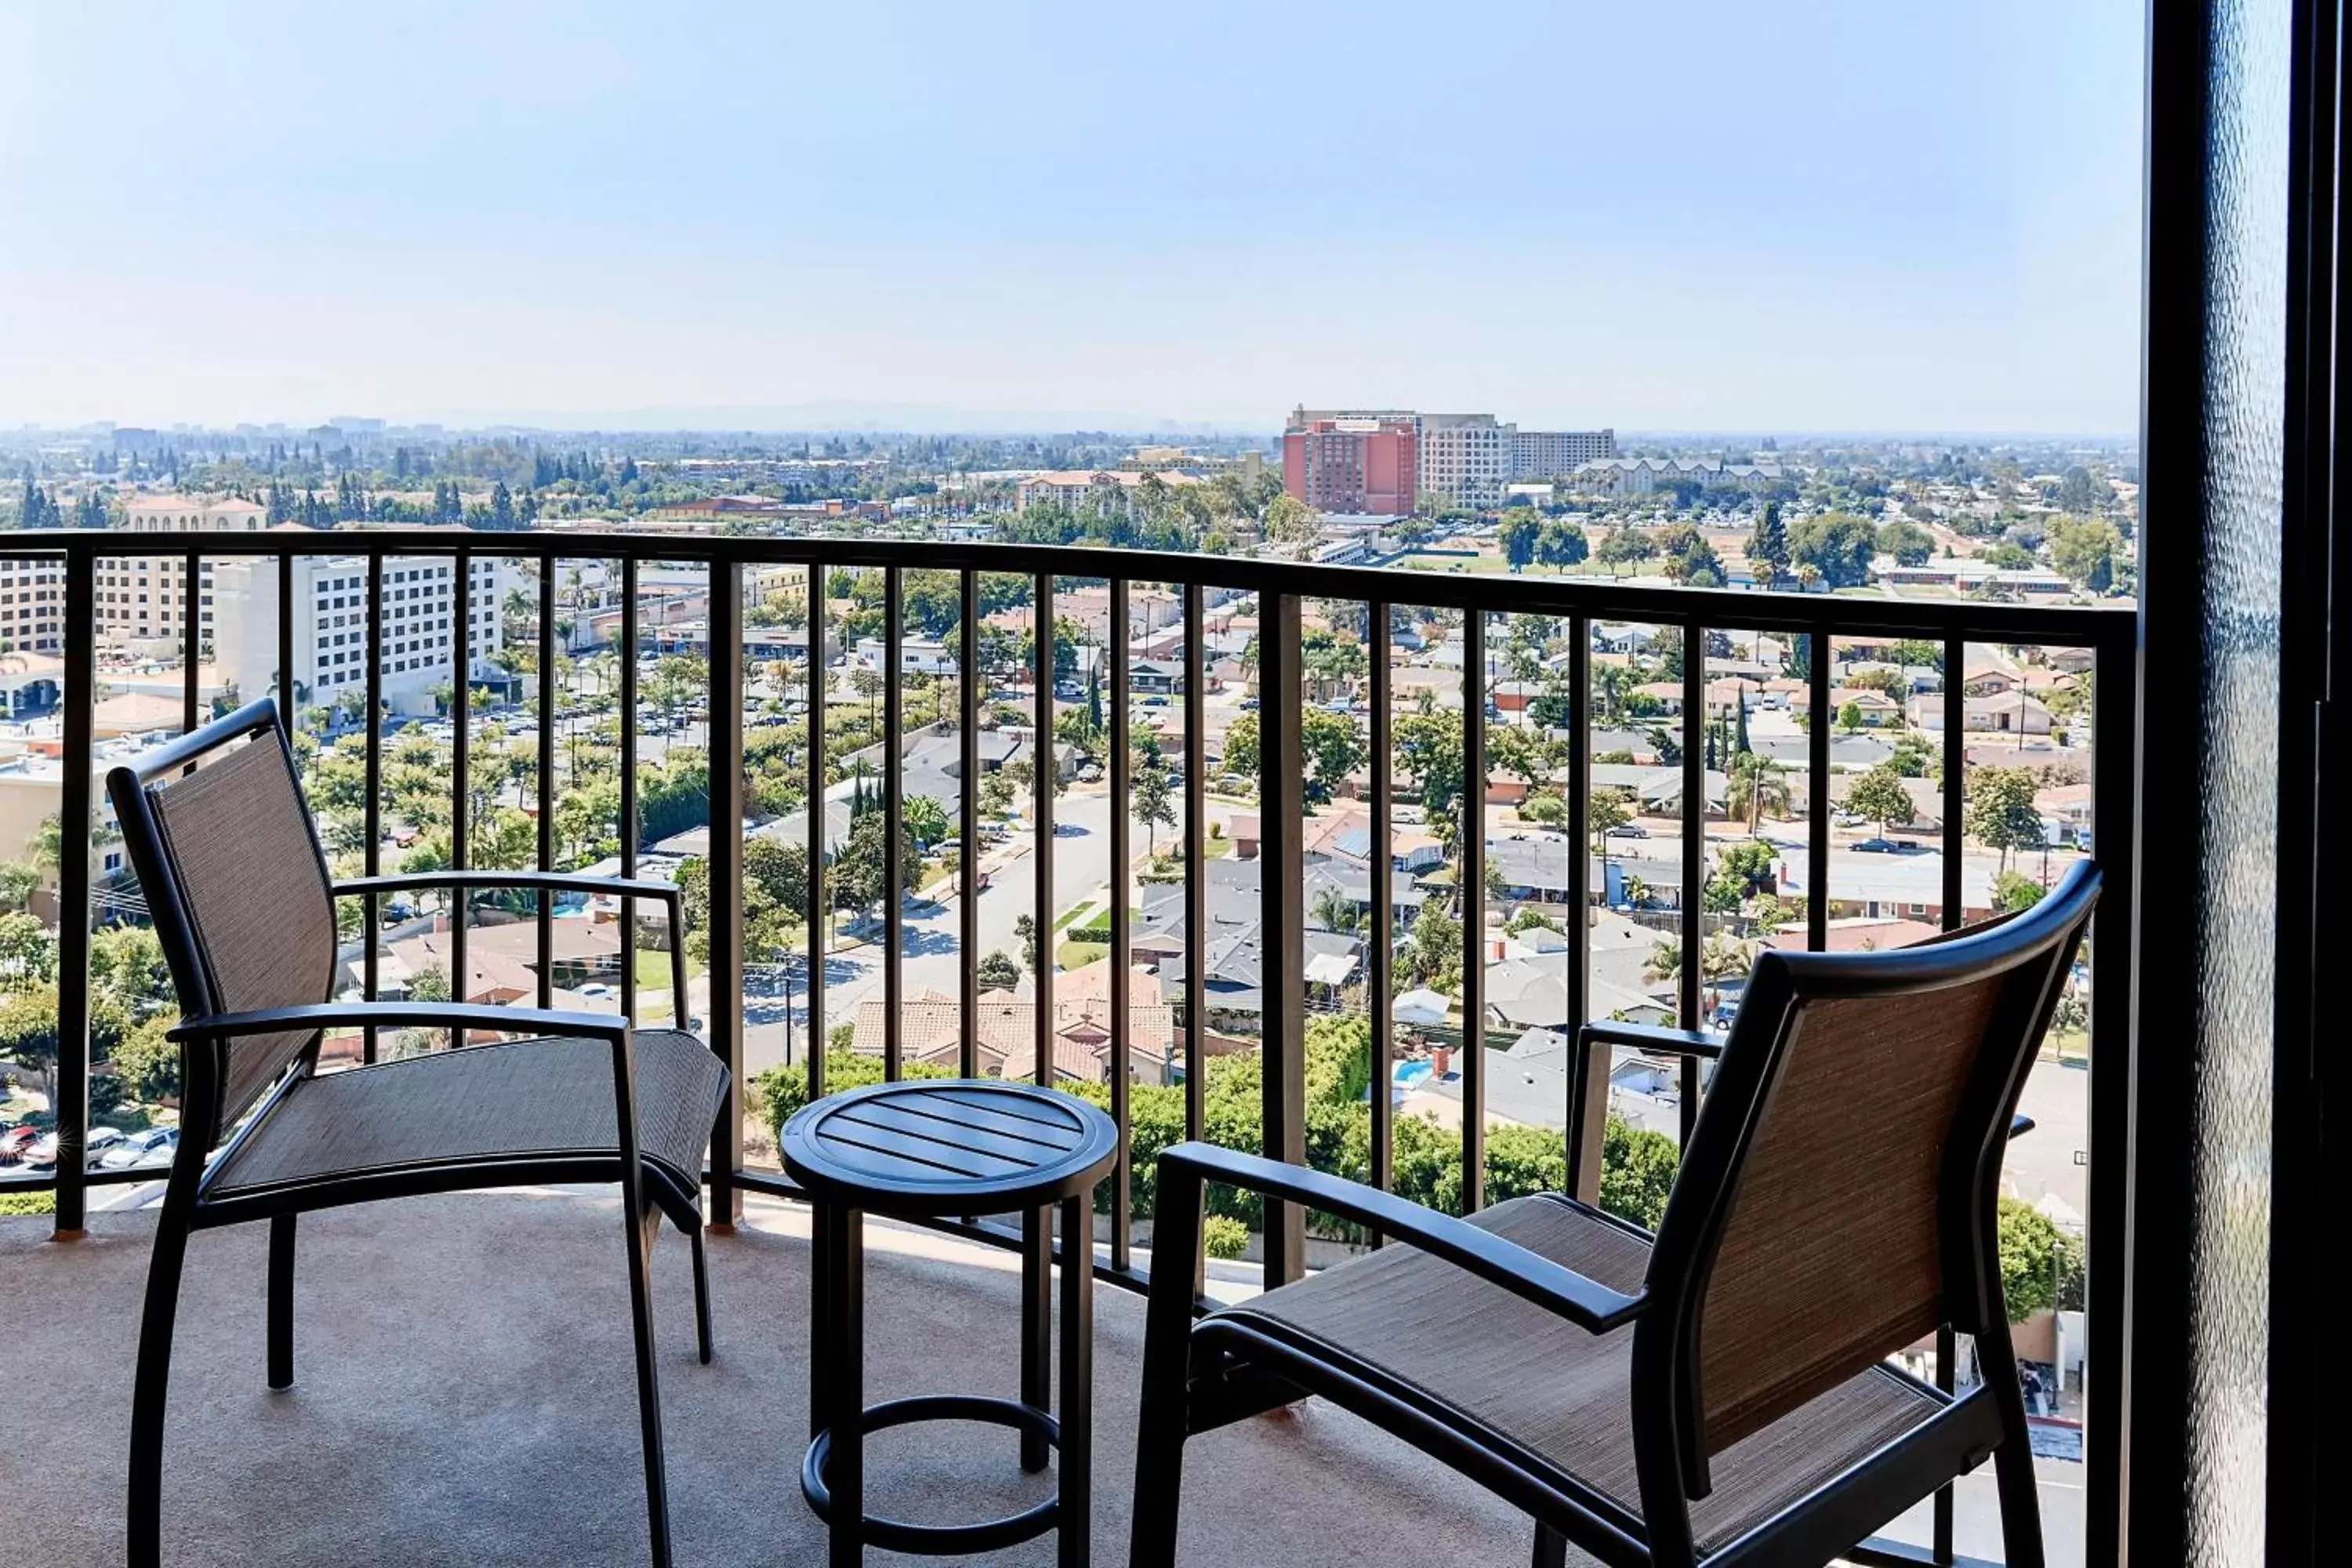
1049	218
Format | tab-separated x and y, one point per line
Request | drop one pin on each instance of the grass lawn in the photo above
1213	847
1079	954
653	970
1070	916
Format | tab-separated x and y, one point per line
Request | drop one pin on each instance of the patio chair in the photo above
1717	1392
245	909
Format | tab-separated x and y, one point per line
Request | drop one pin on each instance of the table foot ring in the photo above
940	1540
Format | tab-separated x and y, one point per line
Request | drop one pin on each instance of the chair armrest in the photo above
401	1015
554	881
1687	1043
1587	1303
2020	1125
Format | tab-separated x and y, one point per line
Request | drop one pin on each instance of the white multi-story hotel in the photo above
1549	454
32	603
418	649
1465	458
143	602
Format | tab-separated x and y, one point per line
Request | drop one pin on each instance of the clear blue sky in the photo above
1702	216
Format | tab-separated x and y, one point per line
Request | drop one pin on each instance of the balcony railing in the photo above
1277	593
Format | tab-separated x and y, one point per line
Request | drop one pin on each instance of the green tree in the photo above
1516	536
29	953
2040	1265
29	1035
1837	546
1241	746
2001	815
147	1061
925	817
1333	750
1909	543
1768	545
2084	549
18	881
1025	931
1879	796
2013	894
1561	542
1151	802
998	972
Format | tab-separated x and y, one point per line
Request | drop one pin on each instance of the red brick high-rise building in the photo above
1353	463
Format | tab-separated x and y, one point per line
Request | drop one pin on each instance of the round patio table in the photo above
932	1149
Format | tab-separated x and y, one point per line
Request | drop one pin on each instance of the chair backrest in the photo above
1837	1201
239	894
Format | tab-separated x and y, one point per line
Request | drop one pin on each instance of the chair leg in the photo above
149	1392
641	1311
2012	1469
1036	1326
702	1298
281	1301
1551	1548
1162	1418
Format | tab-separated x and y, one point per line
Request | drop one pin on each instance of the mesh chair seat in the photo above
1554	1389
519	1099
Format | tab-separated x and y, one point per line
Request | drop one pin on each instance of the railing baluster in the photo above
1588	1088
1043	777
78	740
372	854
1693	1008
191	647
968	818
288	698
546	793
725	866
1380	858
1196	869
893	814
461	713
1956	767
1122	870
1474	911
628	823
814	814
1281	922
1817	799
1954	915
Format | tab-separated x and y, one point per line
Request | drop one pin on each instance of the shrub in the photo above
28	1203
1222	1235
782	1090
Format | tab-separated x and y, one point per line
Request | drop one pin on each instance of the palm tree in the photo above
1720	956
1335	910
1758	784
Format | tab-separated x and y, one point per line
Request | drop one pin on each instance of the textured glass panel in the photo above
2229	1342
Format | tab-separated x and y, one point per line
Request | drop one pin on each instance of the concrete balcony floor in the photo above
465	1394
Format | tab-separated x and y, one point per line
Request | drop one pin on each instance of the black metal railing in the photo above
1279	589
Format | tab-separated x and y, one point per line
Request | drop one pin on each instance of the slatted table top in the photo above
936	1146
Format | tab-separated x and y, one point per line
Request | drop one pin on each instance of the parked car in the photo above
1876	846
100	1141
1628	830
1090	773
16	1143
155	1146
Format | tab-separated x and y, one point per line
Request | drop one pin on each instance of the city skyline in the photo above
998	218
